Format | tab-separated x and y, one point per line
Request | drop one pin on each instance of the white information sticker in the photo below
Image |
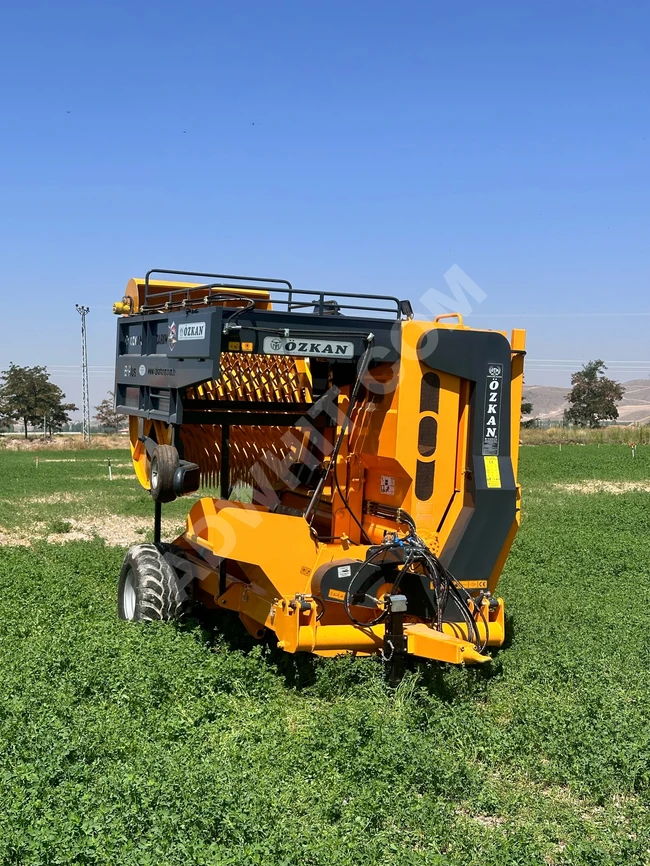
309	348
191	331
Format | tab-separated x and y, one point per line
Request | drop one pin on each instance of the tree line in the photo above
29	398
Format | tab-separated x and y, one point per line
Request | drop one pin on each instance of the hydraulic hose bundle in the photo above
420	559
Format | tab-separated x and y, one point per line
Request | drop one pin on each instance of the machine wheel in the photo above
164	463
149	587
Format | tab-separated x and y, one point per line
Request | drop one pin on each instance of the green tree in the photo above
57	412
526	409
106	414
27	395
593	396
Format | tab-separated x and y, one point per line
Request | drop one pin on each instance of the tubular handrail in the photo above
283	294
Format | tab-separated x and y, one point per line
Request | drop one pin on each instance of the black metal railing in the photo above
282	294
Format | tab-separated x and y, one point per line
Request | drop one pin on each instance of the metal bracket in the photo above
395	641
149	445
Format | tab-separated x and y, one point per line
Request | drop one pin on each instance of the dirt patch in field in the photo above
73	535
18	538
489	821
56	498
9	538
616	487
84	460
95	479
63	443
119	476
115	530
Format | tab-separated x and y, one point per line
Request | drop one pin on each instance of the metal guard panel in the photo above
159	355
484	359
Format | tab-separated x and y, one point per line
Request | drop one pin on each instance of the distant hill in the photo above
549	402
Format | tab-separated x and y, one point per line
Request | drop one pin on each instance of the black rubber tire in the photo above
149	587
164	463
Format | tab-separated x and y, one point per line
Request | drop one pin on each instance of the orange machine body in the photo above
333	465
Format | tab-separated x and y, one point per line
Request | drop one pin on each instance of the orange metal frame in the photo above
270	556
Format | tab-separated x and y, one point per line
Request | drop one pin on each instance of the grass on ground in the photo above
132	744
614	434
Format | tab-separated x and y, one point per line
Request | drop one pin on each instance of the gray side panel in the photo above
158	354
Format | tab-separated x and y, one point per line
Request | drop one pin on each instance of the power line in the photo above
570	365
94	377
581	360
95	368
574	366
83	312
552	315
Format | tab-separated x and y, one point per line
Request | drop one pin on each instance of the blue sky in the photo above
362	146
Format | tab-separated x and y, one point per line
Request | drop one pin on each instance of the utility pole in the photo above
83	312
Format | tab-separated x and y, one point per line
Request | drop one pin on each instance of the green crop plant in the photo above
155	744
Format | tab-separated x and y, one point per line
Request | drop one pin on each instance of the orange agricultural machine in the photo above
366	464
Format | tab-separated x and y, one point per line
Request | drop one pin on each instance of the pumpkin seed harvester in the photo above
366	462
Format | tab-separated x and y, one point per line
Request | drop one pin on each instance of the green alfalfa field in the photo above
131	744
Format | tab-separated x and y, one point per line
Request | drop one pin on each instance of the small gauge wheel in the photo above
164	463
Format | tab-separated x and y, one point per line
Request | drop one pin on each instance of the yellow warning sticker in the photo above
247	347
474	584
336	593
492	474
233	347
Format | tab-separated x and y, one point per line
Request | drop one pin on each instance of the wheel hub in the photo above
128	597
